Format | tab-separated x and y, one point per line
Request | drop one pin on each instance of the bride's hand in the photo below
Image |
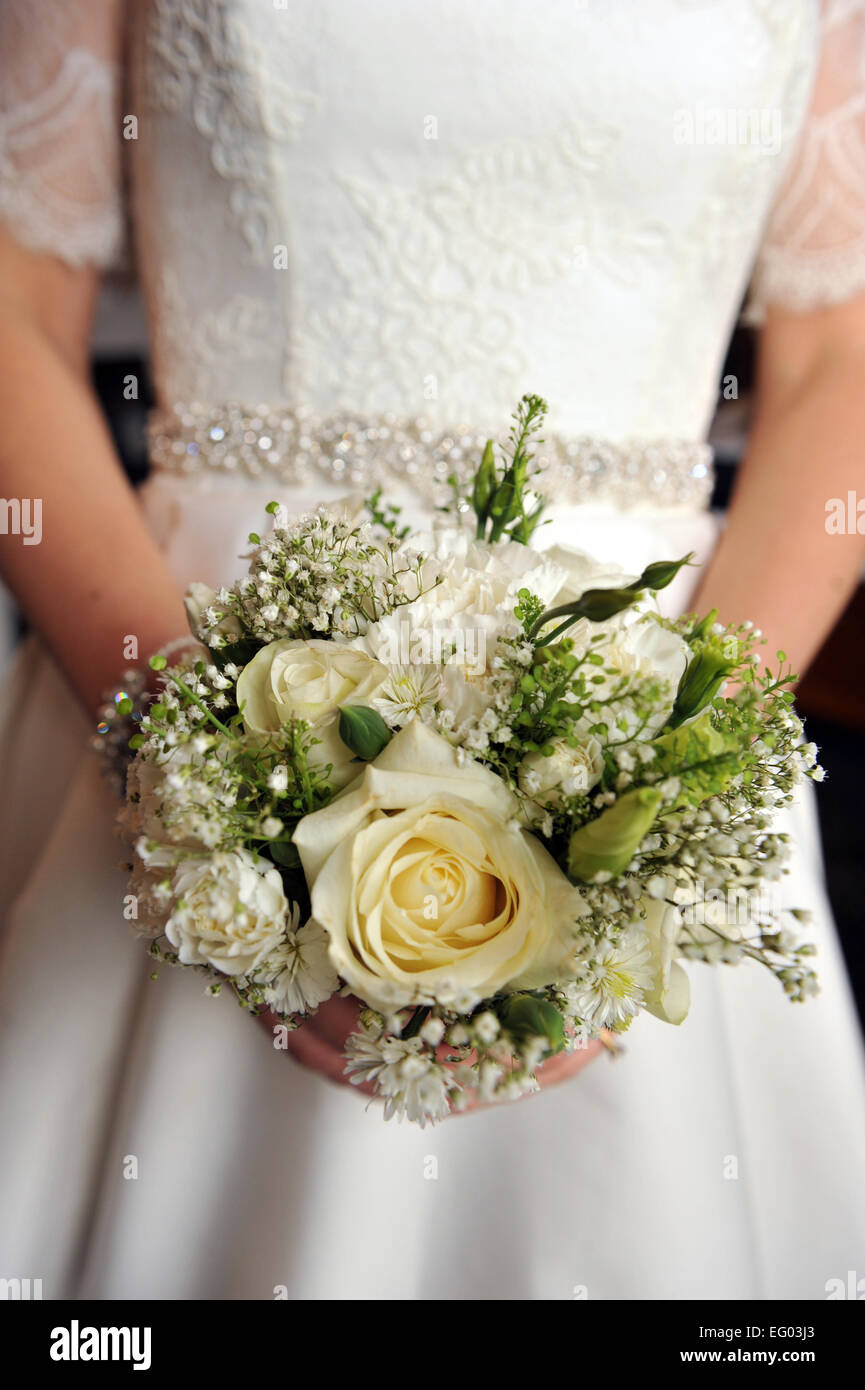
319	1044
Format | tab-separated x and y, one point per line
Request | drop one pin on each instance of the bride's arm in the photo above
97	575
777	562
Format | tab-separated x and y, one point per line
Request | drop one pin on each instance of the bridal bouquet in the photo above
487	790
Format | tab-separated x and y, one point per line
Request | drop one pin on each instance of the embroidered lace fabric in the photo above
341	212
60	127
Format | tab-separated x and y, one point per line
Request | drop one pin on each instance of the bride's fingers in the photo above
335	1020
319	1044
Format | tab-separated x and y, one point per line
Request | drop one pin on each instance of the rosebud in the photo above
363	731
607	845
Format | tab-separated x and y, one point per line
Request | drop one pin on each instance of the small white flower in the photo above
278	779
433	1031
408	692
612	990
302	975
486	1027
410	1081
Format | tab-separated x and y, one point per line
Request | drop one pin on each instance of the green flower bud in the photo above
702	679
363	731
600	604
662	573
607	845
525	1016
704	626
485	482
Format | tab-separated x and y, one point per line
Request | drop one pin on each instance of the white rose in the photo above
583	572
644	649
199	598
566	771
229	911
309	680
426	887
670	996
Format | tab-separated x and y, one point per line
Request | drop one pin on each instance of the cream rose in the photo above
425	885
229	911
309	680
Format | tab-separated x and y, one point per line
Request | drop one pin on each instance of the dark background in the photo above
831	697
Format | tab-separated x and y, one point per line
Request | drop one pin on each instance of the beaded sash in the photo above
296	446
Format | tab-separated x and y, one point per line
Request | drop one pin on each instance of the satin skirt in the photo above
156	1145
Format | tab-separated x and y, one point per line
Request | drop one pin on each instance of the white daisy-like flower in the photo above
612	990
409	1080
408	693
299	973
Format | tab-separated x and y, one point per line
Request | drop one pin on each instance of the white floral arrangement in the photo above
489	791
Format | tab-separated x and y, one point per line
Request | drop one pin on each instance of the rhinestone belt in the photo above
296	446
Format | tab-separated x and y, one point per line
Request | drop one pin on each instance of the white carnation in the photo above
229	911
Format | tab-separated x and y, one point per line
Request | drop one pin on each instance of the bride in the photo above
363	231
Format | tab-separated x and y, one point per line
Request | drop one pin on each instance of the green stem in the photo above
417	1021
196	700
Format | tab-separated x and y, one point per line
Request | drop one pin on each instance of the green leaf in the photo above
704	758
284	853
607	845
363	731
527	525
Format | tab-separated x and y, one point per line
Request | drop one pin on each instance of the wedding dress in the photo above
363	231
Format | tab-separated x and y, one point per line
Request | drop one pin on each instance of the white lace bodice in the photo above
431	208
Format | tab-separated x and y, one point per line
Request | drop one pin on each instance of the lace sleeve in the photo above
813	254
59	127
